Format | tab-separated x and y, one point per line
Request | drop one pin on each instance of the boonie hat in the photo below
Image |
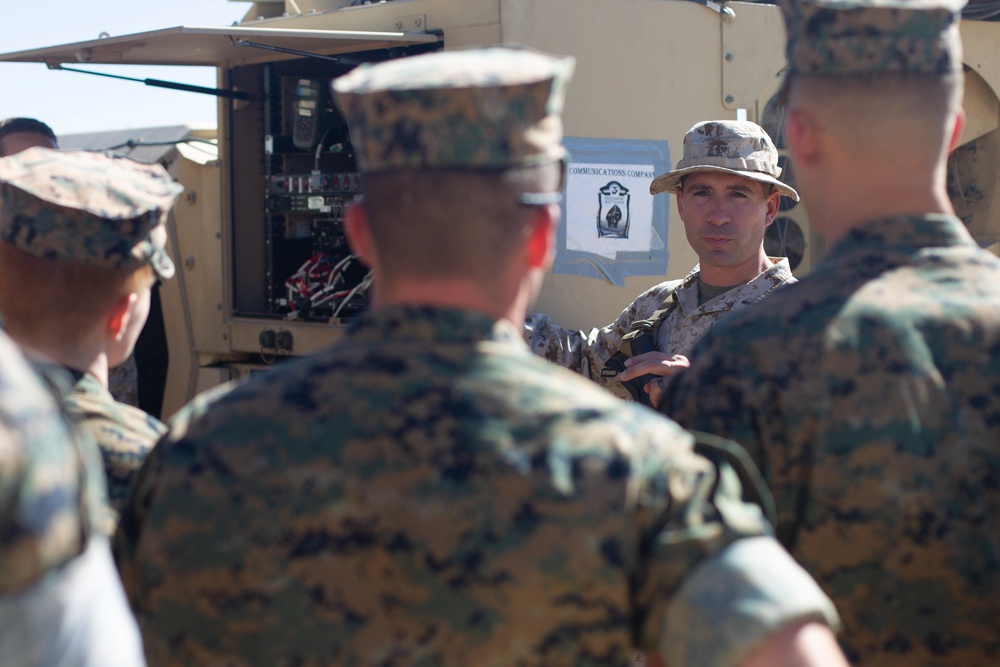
845	37
478	108
87	207
732	146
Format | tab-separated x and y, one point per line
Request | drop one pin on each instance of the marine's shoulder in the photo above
654	298
112	421
662	290
538	391
30	409
496	380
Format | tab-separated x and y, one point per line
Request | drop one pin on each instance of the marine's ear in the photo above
802	130
773	206
358	233
119	314
956	129
541	243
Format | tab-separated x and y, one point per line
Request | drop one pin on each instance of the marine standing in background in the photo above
82	238
426	491
869	393
16	135
61	601
728	192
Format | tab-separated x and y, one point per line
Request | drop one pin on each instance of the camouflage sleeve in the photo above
124	435
51	483
586	353
580	351
712	583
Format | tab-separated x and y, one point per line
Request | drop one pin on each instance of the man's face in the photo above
725	216
22	141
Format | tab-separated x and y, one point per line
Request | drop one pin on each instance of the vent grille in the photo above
784	238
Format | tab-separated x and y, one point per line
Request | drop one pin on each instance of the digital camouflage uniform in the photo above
104	211
728	146
49	509
123	382
125	434
687	323
426	491
869	393
61	602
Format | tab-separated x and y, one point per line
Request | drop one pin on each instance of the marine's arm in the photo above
579	351
587	352
808	644
715	588
60	597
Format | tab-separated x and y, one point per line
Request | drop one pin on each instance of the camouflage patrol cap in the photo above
87	207
844	37
479	108
733	146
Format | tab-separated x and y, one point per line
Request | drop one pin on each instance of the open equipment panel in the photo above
293	172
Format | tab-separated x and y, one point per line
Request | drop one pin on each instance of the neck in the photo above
448	293
853	196
83	358
739	274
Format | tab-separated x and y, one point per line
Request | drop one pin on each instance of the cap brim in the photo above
669	181
162	264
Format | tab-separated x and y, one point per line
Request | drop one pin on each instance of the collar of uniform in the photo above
929	230
432	323
779	272
85	383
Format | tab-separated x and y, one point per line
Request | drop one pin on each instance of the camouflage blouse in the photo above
869	394
586	353
426	491
124	434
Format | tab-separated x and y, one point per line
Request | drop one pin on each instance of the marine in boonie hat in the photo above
849	37
489	108
733	146
87	207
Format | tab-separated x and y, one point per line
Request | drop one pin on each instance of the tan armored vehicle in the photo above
264	272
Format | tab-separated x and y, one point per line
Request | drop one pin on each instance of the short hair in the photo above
873	108
25	125
452	223
47	300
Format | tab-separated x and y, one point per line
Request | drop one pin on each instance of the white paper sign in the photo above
609	208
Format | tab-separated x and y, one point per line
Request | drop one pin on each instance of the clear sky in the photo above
72	103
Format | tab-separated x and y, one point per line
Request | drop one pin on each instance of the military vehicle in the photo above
264	271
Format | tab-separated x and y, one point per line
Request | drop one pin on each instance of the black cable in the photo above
140	144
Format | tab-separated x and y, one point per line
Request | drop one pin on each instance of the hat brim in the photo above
669	181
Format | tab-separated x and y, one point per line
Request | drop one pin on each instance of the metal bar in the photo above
172	85
295	52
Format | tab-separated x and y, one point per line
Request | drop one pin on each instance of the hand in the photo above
654	363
